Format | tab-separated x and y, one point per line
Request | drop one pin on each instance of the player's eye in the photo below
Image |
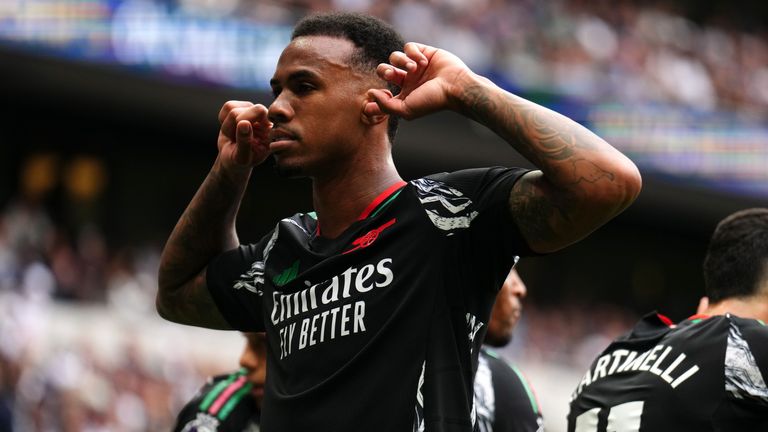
304	87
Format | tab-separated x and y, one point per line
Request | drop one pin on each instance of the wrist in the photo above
235	174
469	91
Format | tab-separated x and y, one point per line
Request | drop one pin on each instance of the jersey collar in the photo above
381	198
384	197
697	317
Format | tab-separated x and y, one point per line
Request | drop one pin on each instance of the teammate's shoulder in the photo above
195	414
747	322
496	360
489	352
215	382
507	375
753	329
651	326
729	320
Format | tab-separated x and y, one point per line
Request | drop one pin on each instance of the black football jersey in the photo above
224	404
704	374
379	328
504	400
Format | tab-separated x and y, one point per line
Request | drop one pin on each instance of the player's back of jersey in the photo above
705	374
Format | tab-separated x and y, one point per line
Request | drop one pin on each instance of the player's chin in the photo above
284	167
498	338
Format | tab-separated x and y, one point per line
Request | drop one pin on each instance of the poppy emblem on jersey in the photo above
369	237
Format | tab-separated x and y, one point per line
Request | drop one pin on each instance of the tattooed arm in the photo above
207	226
582	181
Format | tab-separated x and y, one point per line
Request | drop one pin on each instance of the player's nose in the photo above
280	110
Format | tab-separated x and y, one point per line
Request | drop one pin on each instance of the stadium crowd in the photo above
634	52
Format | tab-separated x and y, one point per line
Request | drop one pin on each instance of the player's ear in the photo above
371	113
703	306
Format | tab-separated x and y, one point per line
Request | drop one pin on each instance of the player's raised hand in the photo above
429	79
243	137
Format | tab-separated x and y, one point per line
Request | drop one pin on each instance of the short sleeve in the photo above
235	280
488	242
746	362
489	190
746	370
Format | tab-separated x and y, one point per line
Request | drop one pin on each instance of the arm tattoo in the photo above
205	229
589	172
553	208
539	134
534	213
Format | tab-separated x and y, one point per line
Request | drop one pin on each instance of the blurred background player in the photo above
230	403
707	373
504	400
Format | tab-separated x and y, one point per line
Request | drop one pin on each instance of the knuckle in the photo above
234	113
226	110
235	104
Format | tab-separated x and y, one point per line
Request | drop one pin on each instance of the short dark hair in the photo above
375	41
737	257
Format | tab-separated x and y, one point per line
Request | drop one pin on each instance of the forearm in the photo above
557	145
205	229
584	181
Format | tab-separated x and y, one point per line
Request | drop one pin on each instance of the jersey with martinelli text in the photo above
377	329
704	374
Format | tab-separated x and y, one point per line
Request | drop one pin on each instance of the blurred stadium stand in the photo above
108	125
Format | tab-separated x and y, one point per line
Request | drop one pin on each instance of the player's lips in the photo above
280	137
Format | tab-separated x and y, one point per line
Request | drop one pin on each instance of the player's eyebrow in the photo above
295	76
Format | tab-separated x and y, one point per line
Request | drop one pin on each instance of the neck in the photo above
339	199
747	307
